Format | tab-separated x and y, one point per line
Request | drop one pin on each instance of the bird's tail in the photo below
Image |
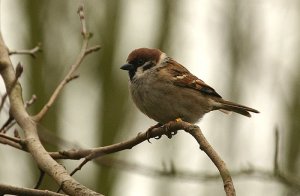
234	107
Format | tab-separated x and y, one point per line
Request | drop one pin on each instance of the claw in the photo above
149	140
148	132
148	135
171	134
166	128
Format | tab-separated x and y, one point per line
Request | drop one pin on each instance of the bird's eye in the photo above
141	62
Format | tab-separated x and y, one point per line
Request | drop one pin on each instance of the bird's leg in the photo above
166	127
148	132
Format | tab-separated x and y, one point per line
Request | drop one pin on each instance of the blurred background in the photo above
247	50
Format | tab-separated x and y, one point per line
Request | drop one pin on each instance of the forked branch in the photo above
32	52
167	129
28	124
85	50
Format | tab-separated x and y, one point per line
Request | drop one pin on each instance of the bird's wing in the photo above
183	78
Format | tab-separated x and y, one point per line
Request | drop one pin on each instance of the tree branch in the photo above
70	75
216	159
11	143
18	73
75	154
32	52
11	121
167	130
13	139
193	176
30	101
7	189
18	111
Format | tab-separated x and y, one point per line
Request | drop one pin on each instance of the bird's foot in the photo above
166	127
148	132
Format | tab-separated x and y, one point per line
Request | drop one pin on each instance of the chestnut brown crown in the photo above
145	57
145	54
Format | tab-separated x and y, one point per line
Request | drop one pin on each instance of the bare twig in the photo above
70	75
213	155
11	143
275	175
74	171
72	78
192	176
9	121
3	98
14	139
84	32
9	124
32	52
254	172
40	180
18	73
33	144
167	130
30	101
7	189
276	167
92	49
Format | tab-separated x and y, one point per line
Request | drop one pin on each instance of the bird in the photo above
165	90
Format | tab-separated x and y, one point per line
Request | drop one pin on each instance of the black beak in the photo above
127	67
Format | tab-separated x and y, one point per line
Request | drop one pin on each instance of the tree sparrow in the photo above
165	90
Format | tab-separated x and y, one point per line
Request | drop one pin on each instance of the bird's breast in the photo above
162	101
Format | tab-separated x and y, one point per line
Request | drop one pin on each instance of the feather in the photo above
183	78
234	107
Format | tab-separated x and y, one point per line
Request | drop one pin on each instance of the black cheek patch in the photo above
131	73
148	65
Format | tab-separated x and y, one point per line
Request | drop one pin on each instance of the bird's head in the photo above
141	60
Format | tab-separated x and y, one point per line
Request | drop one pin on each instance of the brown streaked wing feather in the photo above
207	89
183	78
177	69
